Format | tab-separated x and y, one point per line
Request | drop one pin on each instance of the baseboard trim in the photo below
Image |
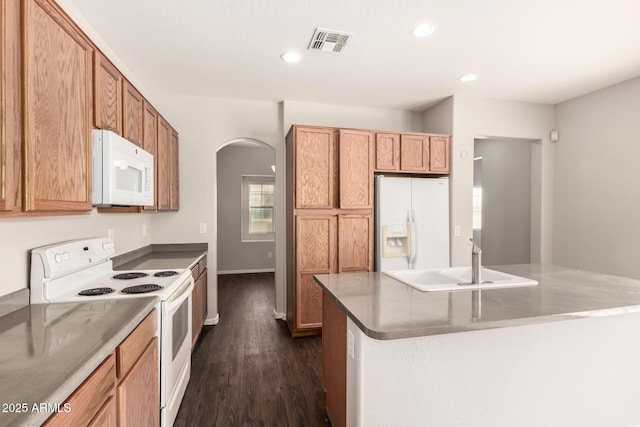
279	316
257	270
213	321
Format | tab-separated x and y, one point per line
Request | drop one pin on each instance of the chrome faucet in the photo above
476	254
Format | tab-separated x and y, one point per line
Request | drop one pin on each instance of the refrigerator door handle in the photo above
414	242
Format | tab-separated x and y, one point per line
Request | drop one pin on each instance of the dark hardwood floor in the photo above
247	370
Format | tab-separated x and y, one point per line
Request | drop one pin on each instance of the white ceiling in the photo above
543	51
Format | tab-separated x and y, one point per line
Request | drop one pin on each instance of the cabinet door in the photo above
58	70
315	162
439	155
414	153
387	152
150	144
315	254
132	106
138	393
106	416
107	101
174	164
10	132
203	297
196	295
164	166
356	169
355	243
334	361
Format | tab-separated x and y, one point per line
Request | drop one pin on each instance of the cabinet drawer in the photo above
132	347
89	398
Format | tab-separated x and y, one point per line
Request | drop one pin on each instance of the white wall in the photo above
205	125
20	235
478	117
233	162
597	181
304	113
506	201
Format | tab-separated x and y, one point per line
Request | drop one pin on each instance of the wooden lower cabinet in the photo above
107	416
324	244
137	393
334	361
124	390
199	299
88	399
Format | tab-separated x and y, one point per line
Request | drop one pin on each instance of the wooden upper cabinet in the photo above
58	100
387	152
414	153
174	163
315	168
107	102
150	144
439	154
132	107
10	131
355	243
164	166
356	169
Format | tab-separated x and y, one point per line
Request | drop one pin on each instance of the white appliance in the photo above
412	223
122	171
81	270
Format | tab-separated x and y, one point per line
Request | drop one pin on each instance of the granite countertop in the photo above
161	256
384	308
48	350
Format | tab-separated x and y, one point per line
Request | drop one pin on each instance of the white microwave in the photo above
122	171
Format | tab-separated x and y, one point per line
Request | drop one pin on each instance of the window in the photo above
257	208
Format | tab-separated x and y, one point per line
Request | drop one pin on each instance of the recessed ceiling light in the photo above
468	78
291	57
423	30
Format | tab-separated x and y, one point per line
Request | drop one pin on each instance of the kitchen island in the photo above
564	352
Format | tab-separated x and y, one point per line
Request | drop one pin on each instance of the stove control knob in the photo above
106	246
67	256
58	258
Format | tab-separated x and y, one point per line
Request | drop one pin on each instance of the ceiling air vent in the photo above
329	40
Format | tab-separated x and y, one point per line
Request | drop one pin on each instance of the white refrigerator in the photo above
412	223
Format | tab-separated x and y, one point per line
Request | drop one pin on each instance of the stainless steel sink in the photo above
458	278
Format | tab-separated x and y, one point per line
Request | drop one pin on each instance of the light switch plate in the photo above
203	228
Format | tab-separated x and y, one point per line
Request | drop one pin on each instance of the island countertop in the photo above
48	350
385	309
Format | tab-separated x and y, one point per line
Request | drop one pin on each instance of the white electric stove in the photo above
81	270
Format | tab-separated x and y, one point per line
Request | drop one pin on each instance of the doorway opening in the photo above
504	200
245	211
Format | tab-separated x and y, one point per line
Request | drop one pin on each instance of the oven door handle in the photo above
178	297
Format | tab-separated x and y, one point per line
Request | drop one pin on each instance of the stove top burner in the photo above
96	291
141	289
129	276
167	273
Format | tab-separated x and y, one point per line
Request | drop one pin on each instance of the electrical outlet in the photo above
110	234
203	228
456	230
269	255
144	229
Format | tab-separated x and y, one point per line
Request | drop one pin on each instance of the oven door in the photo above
175	357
